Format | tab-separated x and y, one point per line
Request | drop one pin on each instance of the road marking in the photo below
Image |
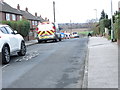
5	66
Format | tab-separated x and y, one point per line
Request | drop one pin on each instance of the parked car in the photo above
74	35
10	42
67	35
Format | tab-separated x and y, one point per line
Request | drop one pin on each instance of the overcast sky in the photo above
78	11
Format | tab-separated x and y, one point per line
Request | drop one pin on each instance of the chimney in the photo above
36	14
18	7
40	15
45	18
26	9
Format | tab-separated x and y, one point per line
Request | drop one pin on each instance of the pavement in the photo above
31	42
102	63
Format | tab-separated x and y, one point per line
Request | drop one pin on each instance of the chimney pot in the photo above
45	18
18	7
36	14
26	9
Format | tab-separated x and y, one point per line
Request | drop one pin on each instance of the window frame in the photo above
13	17
7	17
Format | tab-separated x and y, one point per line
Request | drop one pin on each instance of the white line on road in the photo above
5	66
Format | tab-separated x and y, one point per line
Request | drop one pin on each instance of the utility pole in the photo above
54	10
112	31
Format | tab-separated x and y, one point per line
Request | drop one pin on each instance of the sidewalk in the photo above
31	42
102	63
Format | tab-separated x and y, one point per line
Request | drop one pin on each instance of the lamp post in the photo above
112	31
71	25
54	10
96	14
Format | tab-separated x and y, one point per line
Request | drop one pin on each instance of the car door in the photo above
13	40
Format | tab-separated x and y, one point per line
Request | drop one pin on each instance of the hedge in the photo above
22	27
118	26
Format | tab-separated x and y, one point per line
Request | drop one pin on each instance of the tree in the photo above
103	16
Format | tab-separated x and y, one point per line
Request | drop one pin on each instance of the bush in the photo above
22	27
118	26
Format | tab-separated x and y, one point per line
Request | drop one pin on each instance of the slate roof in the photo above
28	15
4	7
41	19
7	8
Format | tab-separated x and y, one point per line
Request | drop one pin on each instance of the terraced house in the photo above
8	13
34	20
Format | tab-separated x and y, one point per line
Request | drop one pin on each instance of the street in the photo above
48	65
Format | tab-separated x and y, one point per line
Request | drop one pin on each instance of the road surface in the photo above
48	65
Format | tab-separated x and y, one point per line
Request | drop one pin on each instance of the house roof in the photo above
28	15
7	8
41	19
4	7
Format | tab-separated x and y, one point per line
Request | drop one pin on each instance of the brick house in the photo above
34	20
7	13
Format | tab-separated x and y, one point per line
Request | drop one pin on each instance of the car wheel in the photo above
60	39
39	41
56	40
5	55
23	49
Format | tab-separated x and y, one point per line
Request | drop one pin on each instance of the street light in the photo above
96	14
54	10
71	25
112	31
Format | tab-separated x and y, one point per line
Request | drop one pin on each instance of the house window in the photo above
13	17
33	23
7	17
36	23
20	18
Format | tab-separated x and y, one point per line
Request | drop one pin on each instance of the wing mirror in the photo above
15	32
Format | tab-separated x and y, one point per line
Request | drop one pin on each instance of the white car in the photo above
10	42
74	35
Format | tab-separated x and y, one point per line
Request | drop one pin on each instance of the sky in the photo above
76	11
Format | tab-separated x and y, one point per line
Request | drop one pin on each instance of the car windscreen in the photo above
3	30
10	31
74	32
0	31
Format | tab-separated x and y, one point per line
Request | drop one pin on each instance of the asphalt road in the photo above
48	65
